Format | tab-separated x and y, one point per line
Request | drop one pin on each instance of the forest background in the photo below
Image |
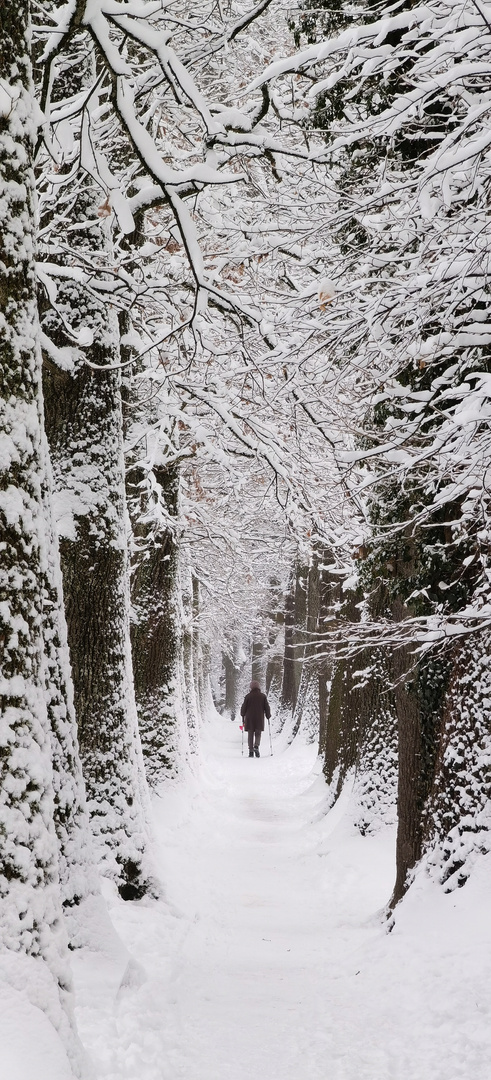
245	398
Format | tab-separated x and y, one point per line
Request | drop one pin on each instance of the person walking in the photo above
254	708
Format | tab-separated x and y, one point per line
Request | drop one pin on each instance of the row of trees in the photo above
109	420
400	99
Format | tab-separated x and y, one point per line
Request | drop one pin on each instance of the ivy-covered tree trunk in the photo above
84	424
343	727
187	656
274	655
361	725
207	704
155	629
325	659
258	661
30	895
409	806
420	690
300	622
231	670
29	856
274	671
198	656
306	714
457	814
76	860
153	492
288	687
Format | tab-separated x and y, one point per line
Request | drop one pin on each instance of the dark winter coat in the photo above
254	708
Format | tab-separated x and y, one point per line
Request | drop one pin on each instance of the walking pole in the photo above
242	730
270	740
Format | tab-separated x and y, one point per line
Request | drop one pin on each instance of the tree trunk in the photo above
307	705
188	671
258	662
84	424
420	690
408	847
300	622
287	697
456	821
153	498
155	631
206	667
77	871
231	685
198	665
325	660
32	923
274	664
335	705
360	732
29	856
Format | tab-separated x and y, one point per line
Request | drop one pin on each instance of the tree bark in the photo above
420	691
258	662
287	697
231	685
155	631
456	827
274	663
408	845
198	666
188	669
307	705
84	424
300	621
76	858
29	856
360	728
32	924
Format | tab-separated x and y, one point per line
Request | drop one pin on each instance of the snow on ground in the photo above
270	959
30	1047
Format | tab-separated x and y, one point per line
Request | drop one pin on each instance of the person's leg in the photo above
250	742
257	738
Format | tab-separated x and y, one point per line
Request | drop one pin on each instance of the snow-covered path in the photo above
250	974
269	960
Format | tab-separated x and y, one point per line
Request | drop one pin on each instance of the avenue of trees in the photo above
245	399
